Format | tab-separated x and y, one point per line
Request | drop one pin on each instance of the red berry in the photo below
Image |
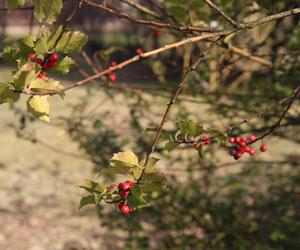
124	209
157	33
244	139
263	148
113	64
131	210
46	67
124	194
238	139
252	138
247	149
120	205
113	186
139	51
252	152
231	140
38	61
112	77
53	57
31	56
196	146
206	140
42	75
242	144
238	155
125	186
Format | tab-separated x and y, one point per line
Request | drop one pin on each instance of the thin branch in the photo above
248	55
127	62
141	8
291	98
222	13
131	18
277	124
169	106
270	18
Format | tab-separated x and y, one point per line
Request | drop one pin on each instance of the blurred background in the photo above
215	203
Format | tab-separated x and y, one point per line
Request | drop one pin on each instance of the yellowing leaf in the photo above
45	84
38	106
125	159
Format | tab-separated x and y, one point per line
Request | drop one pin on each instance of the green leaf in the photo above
125	159
64	65
155	177
200	151
38	106
87	200
115	170
45	84
149	187
47	11
7	95
10	54
41	45
92	187
71	42
26	44
13	4
195	129
52	37
150	164
183	126
135	199
171	145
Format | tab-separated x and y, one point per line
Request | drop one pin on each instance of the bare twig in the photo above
221	12
169	106
131	18
141	8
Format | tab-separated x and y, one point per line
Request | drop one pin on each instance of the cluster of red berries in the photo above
241	146
205	141
112	75
46	64
124	191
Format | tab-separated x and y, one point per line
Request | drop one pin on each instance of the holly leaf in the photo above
171	145
41	45
52	36
135	199
64	65
92	187
125	159
71	42
26	44
13	4
47	11
87	200
201	151
115	170
25	75
7	95
150	164
38	106
45	85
